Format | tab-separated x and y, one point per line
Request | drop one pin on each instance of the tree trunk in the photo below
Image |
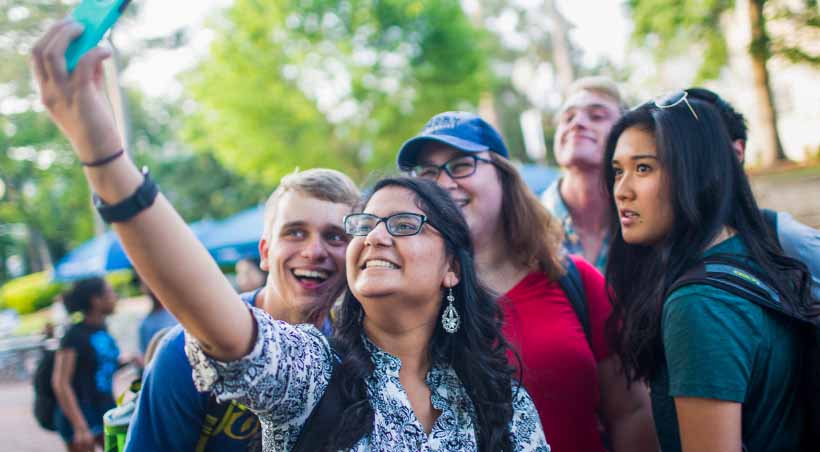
770	146
561	52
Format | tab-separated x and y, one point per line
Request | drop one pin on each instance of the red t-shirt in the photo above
560	370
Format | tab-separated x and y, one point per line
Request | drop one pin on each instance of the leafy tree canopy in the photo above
335	83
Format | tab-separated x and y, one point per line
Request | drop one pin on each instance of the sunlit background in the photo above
221	98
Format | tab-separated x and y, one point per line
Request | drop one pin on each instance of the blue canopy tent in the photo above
538	177
94	257
236	237
104	254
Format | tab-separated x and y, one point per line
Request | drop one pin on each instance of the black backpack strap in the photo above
325	414
573	287
734	275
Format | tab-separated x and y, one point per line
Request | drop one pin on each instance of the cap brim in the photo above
408	154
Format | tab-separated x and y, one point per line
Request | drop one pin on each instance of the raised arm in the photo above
163	249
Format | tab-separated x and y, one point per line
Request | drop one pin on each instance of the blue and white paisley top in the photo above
287	372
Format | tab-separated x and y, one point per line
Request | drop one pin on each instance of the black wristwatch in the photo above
129	207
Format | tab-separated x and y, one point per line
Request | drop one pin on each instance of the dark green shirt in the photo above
720	346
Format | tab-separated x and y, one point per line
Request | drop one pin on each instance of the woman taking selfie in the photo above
423	363
722	369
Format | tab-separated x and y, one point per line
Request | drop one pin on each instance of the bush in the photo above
29	293
122	281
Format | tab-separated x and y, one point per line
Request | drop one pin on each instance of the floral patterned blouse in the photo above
287	372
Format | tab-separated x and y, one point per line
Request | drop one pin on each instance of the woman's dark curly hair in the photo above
477	351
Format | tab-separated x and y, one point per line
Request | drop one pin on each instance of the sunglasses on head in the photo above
675	99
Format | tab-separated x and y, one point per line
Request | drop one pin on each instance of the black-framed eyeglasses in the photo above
457	167
675	99
398	225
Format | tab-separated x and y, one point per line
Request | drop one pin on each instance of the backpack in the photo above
313	436
45	402
727	272
573	287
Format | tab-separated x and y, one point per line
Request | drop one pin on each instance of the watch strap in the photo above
142	198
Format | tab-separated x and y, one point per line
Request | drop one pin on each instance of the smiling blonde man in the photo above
303	250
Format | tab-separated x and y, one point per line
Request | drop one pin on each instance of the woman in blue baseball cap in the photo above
573	378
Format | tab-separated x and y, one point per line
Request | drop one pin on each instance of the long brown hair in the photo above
532	233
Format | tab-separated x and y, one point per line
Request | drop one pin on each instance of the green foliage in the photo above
45	209
29	293
670	27
22	23
802	20
330	83
196	183
122	281
45	188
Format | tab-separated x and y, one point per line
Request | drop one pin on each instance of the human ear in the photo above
264	248
451	278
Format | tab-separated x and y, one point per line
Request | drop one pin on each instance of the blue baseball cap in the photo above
464	131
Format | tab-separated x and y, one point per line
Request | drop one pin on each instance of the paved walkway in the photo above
798	195
19	431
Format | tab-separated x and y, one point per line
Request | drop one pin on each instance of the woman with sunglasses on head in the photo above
723	370
574	379
419	363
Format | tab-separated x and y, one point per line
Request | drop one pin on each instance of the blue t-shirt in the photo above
97	360
152	324
170	412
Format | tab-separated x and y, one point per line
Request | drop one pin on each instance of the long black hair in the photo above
708	190
477	351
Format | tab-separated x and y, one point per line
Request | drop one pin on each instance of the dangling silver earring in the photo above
450	319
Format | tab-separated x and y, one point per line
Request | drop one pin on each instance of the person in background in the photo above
722	368
84	366
302	249
574	379
591	107
249	275
157	319
798	240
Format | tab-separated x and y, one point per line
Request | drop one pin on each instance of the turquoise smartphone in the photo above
97	16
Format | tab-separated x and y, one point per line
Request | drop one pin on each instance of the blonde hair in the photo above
319	183
604	86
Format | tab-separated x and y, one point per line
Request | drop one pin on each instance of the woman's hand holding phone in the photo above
76	102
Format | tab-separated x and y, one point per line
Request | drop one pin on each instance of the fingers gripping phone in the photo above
97	16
